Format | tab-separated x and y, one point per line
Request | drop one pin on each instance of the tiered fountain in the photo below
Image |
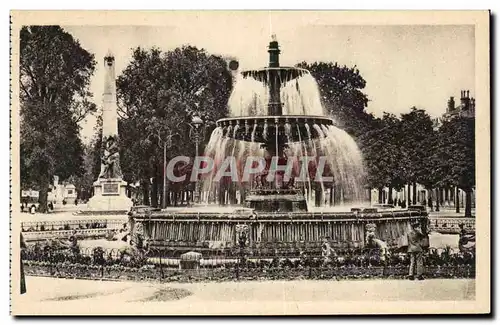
277	112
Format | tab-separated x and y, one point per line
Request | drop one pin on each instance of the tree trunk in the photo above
160	195
43	194
168	198
220	194
176	197
317	196
408	201
145	191
243	195
468	203
380	195
390	200
232	194
331	195
438	199
414	193
457	200
154	192
336	195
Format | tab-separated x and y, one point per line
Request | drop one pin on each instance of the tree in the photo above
91	163
374	147
430	170
456	147
396	156
158	93
340	86
383	155
55	74
416	129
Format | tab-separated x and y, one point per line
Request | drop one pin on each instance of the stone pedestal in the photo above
110	195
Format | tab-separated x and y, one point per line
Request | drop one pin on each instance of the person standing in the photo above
417	245
23	279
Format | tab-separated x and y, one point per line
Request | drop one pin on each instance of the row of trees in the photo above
158	93
402	150
410	150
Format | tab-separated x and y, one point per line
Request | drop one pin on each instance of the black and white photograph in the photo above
250	162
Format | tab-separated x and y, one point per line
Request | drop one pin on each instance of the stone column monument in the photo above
110	189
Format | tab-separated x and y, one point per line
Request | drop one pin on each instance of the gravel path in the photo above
55	296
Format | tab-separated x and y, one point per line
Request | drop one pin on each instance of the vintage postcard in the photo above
250	162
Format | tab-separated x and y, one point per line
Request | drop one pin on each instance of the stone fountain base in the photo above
110	195
211	232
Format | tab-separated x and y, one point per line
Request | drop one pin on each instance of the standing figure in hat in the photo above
23	278
418	243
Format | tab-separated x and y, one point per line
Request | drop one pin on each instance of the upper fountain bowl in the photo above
283	74
290	128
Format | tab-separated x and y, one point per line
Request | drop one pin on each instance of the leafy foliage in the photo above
417	128
455	163
158	93
54	77
384	154
339	86
456	150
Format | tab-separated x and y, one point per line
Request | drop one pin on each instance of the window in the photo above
70	192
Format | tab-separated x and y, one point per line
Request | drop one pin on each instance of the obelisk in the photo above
110	189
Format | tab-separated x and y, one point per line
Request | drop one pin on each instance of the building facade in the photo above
60	193
466	108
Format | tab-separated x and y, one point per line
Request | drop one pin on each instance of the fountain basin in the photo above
293	128
210	233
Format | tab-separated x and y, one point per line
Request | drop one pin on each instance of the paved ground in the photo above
50	295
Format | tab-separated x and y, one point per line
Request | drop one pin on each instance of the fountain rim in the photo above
275	118
283	68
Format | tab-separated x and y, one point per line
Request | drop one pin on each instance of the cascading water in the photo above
299	97
249	97
277	111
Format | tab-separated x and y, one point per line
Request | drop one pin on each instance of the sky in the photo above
403	65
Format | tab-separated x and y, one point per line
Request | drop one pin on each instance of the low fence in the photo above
451	225
127	264
63	229
58	225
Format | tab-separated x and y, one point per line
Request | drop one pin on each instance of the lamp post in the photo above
196	130
196	133
166	143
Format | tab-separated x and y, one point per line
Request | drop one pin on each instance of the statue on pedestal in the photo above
373	242
110	190
110	161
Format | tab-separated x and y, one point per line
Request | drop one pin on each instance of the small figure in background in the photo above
418	243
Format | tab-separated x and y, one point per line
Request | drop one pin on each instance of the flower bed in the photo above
164	274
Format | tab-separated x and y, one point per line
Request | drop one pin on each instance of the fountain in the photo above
277	116
277	113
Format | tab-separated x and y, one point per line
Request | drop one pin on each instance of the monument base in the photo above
110	195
